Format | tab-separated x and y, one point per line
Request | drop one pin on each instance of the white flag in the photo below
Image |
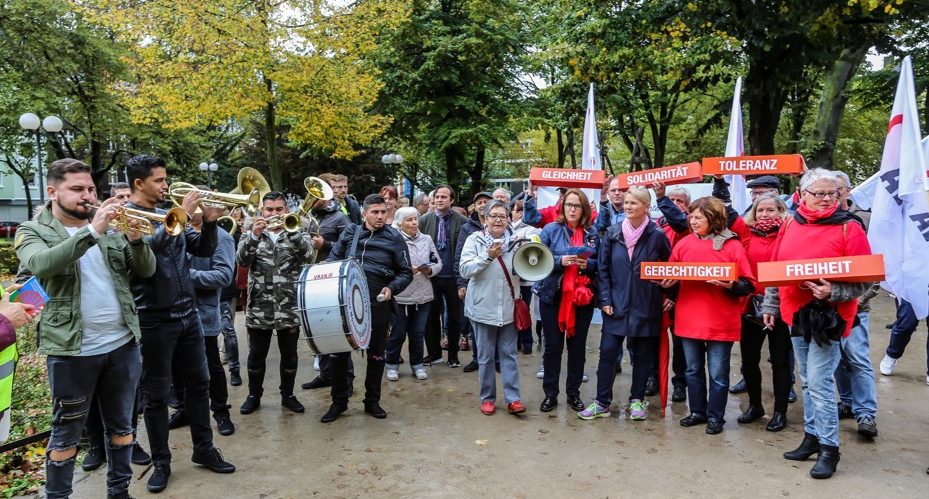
590	159
734	147
899	227
863	195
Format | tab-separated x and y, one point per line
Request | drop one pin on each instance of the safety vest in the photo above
7	363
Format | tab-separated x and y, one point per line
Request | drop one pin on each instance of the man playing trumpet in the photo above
275	249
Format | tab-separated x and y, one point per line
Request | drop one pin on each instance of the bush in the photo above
9	264
22	471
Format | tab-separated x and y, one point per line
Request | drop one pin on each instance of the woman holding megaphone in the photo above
631	307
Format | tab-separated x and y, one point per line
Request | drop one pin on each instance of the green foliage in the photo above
9	263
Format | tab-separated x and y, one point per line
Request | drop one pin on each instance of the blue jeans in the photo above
855	376
113	378
903	330
817	366
702	356
410	321
230	340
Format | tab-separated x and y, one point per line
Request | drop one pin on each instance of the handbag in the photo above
522	319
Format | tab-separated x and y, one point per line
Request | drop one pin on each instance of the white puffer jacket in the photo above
420	290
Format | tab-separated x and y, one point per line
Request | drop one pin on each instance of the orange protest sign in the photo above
567	177
865	268
677	174
689	271
781	164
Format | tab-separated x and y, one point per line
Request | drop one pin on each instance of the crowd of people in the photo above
134	322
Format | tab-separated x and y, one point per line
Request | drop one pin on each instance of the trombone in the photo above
290	222
249	201
174	221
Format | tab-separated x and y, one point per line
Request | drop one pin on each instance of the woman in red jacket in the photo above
762	222
819	229
708	313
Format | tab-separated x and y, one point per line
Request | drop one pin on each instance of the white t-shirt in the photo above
102	320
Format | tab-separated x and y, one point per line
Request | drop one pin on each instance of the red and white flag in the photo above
735	147
899	227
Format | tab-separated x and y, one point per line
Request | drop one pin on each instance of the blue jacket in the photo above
607	216
209	276
636	303
557	238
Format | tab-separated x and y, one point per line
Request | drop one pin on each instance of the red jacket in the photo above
759	248
706	311
797	241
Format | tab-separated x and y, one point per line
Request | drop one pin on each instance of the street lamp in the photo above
51	124
209	169
393	160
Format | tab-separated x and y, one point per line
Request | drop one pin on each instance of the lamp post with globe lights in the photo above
393	161
210	169
51	124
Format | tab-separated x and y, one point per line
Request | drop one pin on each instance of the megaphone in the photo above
533	261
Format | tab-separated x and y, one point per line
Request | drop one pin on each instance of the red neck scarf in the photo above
812	216
768	226
574	290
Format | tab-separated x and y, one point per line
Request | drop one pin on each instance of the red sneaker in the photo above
487	407
516	407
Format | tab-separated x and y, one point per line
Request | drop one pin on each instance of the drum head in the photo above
356	303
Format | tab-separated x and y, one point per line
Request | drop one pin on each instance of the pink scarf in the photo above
632	234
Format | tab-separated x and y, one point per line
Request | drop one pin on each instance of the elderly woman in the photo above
566	296
759	233
415	301
487	263
818	218
708	314
631	307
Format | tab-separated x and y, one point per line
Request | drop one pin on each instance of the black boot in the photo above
808	447
826	463
751	414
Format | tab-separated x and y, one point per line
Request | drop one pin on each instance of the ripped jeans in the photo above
114	377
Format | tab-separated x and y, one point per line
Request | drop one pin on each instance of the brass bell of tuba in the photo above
316	189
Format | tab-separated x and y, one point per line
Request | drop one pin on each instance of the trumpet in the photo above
174	221
290	222
249	201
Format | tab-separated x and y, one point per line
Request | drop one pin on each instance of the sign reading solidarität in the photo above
865	268
677	174
567	177
754	165
689	271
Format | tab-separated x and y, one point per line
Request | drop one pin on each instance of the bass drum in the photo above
334	306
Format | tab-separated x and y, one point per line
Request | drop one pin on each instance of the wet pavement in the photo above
435	442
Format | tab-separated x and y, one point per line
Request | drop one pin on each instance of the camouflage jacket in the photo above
272	277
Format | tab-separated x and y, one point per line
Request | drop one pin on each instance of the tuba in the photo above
316	188
248	180
174	221
250	201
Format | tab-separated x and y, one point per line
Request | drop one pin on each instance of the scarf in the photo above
813	216
767	226
719	239
632	234
574	290
441	238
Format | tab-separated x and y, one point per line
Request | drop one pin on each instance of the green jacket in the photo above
49	253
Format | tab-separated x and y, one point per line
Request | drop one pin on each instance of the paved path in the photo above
437	443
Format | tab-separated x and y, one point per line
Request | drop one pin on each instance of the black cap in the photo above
480	195
765	181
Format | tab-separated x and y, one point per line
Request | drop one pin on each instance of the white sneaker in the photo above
392	375
316	362
887	365
421	374
585	378
541	373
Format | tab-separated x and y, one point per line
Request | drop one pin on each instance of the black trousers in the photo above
779	347
445	290
219	392
259	342
325	368
555	344
376	356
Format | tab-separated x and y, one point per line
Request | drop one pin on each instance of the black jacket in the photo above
169	293
332	222
382	254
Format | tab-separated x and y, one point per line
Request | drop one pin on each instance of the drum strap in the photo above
351	251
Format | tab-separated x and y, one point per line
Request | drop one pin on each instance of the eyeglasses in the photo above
823	194
497	217
572	206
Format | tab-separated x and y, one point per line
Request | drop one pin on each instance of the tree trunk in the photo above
28	197
277	182
561	148
570	147
832	106
766	95
452	171
477	171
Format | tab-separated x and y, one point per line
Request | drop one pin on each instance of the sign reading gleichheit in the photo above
677	174
567	177
865	268
781	164
689	271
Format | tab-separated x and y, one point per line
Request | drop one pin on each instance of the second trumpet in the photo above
174	221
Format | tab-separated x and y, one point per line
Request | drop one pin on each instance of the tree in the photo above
299	62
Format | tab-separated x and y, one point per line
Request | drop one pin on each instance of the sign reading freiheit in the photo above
865	268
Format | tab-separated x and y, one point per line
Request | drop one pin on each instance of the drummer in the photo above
383	255
275	259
